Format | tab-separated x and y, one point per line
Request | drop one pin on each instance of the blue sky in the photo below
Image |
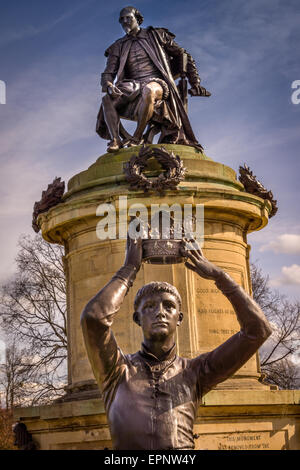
248	55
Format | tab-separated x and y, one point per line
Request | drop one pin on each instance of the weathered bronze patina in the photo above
151	397
145	63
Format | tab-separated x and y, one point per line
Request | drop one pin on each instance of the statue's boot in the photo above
114	145
135	142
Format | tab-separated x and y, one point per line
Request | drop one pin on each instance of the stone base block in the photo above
227	420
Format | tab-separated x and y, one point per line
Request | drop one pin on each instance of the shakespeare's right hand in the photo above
113	91
134	252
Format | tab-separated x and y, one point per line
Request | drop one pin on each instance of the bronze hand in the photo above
197	261
133	252
198	90
113	91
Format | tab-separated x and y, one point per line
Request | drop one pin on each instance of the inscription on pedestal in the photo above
252	440
206	291
216	310
216	318
222	331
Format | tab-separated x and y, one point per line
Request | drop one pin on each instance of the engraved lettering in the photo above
216	310
243	442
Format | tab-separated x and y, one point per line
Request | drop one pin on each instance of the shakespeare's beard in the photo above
127	29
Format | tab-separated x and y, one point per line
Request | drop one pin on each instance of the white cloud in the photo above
290	276
287	243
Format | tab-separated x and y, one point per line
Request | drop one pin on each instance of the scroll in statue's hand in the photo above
197	261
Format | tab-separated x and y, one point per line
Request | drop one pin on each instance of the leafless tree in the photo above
23	380
14	373
284	374
278	352
33	313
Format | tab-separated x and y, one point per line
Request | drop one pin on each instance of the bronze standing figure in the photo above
144	64
151	397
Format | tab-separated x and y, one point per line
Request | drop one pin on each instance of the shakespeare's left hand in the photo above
198	263
198	90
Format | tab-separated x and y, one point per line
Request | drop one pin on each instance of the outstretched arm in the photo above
97	316
224	361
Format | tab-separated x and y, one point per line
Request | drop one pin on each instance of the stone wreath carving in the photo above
253	186
50	198
174	171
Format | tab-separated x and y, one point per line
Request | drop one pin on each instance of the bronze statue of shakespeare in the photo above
145	63
151	397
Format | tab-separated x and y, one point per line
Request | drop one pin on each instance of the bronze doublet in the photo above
139	65
152	404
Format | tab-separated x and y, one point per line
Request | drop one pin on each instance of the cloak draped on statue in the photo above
160	46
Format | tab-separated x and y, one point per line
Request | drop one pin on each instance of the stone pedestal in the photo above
229	215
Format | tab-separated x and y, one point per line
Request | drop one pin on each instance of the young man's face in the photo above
158	315
128	21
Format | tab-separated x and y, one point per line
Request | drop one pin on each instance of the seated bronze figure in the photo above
151	397
144	63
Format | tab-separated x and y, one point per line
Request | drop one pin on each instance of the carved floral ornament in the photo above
173	173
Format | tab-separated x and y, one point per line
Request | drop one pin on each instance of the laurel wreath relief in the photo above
174	171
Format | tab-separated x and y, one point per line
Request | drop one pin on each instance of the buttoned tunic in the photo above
138	64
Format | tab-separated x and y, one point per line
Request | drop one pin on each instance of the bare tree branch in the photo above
277	356
33	314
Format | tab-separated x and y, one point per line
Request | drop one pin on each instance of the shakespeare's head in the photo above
158	309
130	19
